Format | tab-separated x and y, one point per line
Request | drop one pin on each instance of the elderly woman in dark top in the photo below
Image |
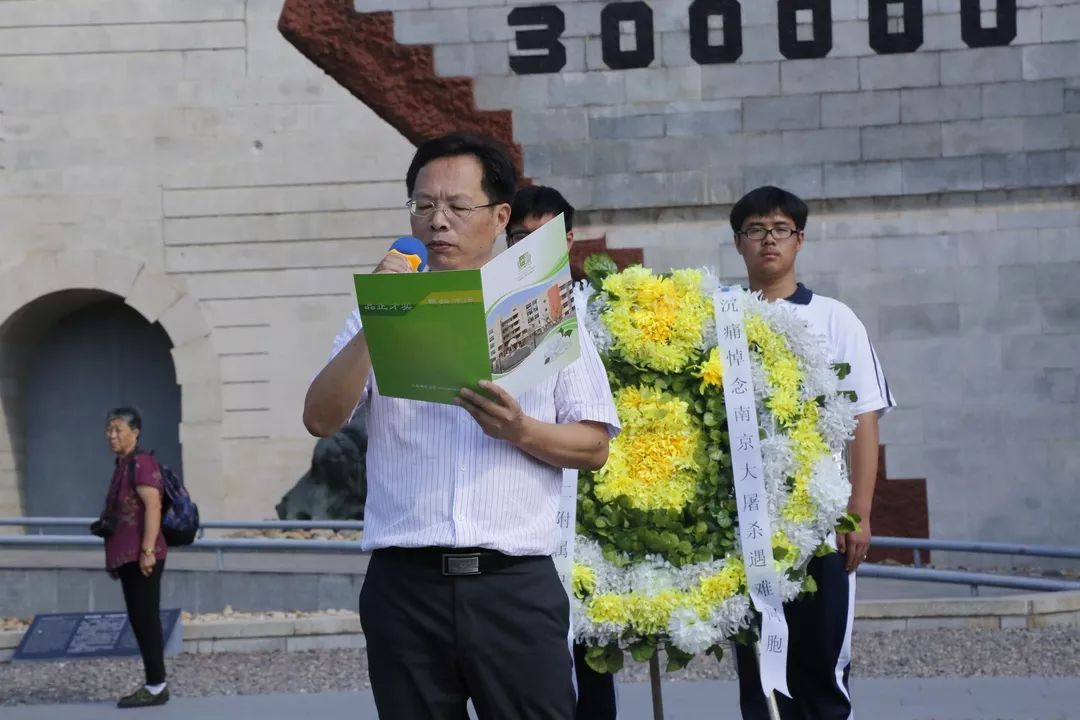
135	548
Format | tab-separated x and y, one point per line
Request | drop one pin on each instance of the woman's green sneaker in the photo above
144	698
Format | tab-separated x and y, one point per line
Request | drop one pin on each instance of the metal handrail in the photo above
975	546
965	577
972	546
974	579
84	522
314	544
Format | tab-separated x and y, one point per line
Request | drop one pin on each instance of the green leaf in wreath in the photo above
676	658
745	637
848	523
597	267
642	650
842	370
614	657
717	651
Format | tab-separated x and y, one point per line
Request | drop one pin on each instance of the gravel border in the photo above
1049	652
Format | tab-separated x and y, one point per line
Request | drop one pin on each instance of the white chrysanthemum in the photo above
828	487
688	576
609	579
762	389
690	633
789	589
732	615
709	285
804	537
837	421
651	577
590	306
779	460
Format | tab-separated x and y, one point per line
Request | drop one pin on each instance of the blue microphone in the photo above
414	251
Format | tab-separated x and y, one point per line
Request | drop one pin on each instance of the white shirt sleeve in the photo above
352	327
349	330
867	377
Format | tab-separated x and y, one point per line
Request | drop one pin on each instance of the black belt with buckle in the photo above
458	561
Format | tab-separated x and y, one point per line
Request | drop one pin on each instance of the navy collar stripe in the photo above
802	295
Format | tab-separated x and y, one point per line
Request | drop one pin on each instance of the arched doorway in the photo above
96	353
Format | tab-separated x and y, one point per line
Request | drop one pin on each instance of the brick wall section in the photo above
899	511
398	82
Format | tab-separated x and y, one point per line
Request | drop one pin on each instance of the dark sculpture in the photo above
335	487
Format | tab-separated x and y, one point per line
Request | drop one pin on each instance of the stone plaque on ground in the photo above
72	636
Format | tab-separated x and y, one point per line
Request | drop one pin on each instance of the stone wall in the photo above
183	156
636	104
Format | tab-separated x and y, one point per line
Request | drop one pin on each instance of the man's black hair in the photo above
500	176
128	413
765	201
540	200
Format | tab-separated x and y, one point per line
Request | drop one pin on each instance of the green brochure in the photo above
511	322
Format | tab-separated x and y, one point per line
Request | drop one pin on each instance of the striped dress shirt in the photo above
435	478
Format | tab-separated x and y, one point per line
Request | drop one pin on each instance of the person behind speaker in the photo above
534	206
461	599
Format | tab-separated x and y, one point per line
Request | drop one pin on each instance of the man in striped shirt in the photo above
768	223
461	599
533	206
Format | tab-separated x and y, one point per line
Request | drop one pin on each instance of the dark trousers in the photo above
434	641
819	651
596	691
142	596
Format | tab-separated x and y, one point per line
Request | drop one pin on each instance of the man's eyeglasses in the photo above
426	208
758	233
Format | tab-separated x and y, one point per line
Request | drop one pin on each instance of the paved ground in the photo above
881	699
946	654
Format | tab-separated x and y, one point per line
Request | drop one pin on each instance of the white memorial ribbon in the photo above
565	525
748	473
565	530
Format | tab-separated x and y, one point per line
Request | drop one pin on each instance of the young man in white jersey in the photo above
769	226
532	207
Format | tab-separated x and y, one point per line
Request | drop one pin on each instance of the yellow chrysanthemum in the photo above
656	322
782	370
582	580
609	609
656	460
711	371
651	614
808	446
780	541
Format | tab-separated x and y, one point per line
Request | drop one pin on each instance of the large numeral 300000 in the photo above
542	26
